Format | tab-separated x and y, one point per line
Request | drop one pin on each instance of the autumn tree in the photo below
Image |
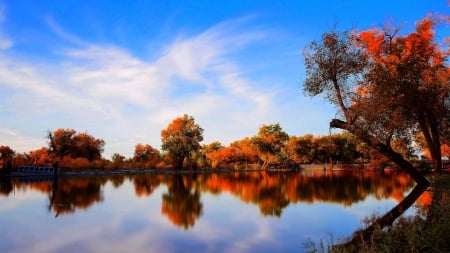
344	147
223	157
6	153
117	161
410	77
146	156
386	86
181	139
87	146
39	157
339	147
246	151
67	142
270	141
324	149
205	151
299	149
61	142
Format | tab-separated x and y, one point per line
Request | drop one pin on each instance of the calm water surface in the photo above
232	212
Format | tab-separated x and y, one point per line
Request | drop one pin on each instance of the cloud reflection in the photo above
129	216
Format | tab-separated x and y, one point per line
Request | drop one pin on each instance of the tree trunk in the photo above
431	134
179	162
341	100
436	145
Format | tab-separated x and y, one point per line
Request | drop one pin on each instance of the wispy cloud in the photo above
122	98
63	34
8	132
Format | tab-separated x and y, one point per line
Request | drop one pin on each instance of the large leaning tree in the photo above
388	87
181	139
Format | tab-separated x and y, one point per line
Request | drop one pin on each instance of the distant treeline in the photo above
181	148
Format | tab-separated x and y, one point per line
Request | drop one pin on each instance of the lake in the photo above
215	212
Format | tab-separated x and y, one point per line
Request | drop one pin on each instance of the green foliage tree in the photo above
181	138
270	141
340	147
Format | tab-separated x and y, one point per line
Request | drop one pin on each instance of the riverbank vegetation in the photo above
271	147
428	231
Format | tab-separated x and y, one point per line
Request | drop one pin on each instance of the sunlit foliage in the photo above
39	157
181	139
270	141
408	75
387	86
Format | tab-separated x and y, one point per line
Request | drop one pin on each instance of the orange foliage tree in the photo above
39	157
204	160
270	141
146	156
409	76
181	139
402	85
222	157
6	153
246	151
67	142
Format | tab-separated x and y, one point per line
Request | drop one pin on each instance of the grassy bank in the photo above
428	231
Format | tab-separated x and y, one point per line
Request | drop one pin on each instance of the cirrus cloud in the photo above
125	99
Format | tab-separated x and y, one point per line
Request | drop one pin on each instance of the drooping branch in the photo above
383	149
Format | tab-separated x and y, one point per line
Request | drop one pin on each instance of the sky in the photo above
123	70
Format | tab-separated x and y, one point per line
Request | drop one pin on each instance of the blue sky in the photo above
122	70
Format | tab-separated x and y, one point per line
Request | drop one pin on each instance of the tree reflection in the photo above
6	186
361	236
274	191
144	185
271	191
68	195
117	180
182	203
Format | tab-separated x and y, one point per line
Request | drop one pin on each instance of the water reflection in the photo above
144	185
387	219
182	203
68	195
272	192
